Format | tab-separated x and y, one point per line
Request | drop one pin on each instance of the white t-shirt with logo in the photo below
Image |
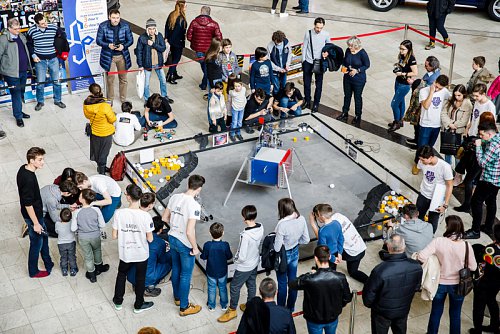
182	208
439	173
125	125
431	118
477	111
102	183
353	243
132	226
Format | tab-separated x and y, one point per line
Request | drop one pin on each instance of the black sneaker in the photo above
470	234
249	130
64	272
39	106
169	100
239	137
296	8
2	134
72	272
145	306
152	292
411	141
233	138
60	104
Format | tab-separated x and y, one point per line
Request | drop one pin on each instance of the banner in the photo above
82	19
295	70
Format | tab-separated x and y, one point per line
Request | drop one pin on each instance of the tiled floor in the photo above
73	305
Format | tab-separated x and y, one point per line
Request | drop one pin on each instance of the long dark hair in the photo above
286	207
458	88
454	227
407	44
213	50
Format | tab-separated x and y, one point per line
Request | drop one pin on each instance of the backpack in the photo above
117	169
61	45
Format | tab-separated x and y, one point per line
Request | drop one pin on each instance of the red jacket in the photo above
201	31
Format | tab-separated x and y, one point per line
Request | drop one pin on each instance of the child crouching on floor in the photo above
88	222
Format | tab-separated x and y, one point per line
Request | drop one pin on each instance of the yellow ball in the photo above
379	227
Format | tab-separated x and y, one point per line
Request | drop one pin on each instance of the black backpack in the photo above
268	255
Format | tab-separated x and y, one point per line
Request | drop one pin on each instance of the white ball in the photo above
386	198
161	180
300	130
384	202
157	160
331	186
372	235
181	164
150	174
160	208
393	193
311	130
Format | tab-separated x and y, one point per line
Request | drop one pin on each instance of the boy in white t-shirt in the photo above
125	125
436	173
108	192
182	213
432	99
133	228
482	105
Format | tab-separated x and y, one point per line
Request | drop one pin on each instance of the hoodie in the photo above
100	116
417	234
248	256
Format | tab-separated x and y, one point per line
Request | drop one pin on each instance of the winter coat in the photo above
247	257
334	59
201	31
105	37
430	278
176	37
437	8
391	286
480	76
286	56
460	119
228	64
9	54
494	89
100	116
270	259
143	50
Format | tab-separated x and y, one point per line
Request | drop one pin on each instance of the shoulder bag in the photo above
465	283
316	62
88	126
450	140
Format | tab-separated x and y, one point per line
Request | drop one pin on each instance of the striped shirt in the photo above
489	160
41	42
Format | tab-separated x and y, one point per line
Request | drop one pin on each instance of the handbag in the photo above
88	126
465	283
450	142
316	62
140	83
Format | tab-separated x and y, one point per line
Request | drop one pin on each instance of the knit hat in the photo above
150	23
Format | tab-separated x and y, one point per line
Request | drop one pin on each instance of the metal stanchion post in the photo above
452	61
68	83
104	76
406	32
353	311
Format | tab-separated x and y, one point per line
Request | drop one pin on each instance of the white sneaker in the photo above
273	11
457	179
283	14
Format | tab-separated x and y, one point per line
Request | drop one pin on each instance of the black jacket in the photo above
270	260
437	8
390	288
335	57
176	37
326	292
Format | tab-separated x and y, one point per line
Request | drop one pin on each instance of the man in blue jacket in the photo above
115	37
159	262
149	53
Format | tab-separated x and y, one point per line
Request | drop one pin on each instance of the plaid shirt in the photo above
489	160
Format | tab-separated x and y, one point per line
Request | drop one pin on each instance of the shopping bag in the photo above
140	82
450	142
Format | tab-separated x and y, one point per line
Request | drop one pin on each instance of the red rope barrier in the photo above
379	32
430	37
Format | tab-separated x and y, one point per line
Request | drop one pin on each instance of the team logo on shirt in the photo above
429	175
151	225
197	213
124	120
436	101
476	113
264	71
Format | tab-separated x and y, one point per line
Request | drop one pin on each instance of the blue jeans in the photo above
203	84
41	76
236	121
304	5
285	102
154	117
456	302
182	270
331	328
292	261
278	81
161	78
17	93
212	284
398	100
39	245
109	210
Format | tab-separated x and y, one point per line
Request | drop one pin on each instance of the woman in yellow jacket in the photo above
101	118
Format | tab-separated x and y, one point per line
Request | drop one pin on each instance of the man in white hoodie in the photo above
246	260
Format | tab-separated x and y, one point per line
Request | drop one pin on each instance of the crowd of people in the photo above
77	207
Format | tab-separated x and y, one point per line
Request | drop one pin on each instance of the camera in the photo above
397	68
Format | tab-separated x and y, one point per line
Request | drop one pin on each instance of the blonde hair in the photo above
354	41
178	11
